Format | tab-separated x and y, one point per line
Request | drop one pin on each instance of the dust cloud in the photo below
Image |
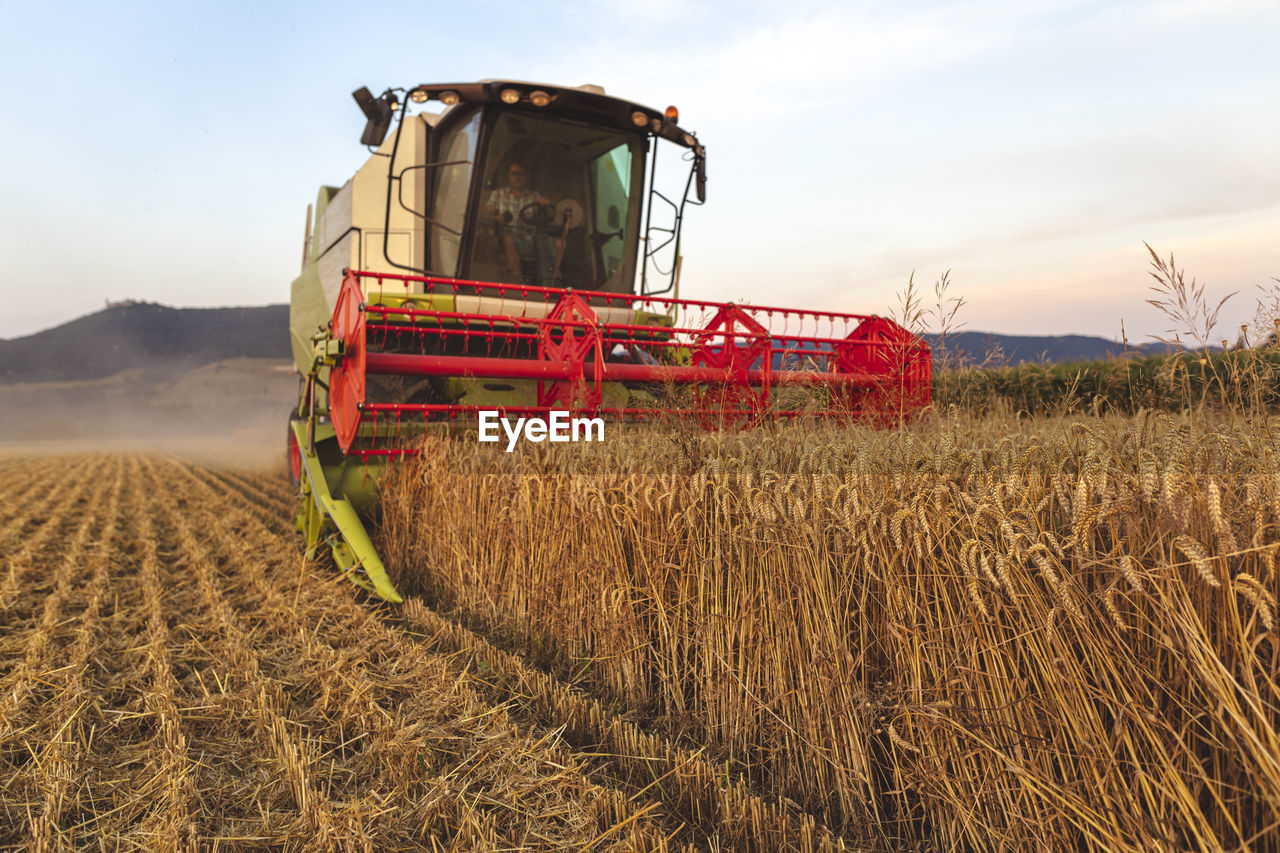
231	413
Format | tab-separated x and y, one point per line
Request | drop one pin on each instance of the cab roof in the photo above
587	102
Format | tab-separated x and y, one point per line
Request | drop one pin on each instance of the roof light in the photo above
539	98
509	96
672	113
419	96
639	119
449	98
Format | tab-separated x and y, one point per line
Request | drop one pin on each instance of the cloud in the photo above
1184	167
754	60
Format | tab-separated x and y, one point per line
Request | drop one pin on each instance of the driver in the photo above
520	239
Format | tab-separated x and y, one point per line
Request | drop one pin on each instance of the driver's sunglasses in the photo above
515	173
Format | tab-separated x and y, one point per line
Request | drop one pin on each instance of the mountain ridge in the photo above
140	335
995	349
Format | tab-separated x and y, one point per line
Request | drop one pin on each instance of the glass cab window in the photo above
458	148
558	206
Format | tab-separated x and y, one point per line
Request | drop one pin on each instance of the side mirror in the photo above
612	218
378	112
700	175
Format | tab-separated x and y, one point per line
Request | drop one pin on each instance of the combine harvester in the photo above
516	252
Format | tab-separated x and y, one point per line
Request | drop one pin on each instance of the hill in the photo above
145	336
975	347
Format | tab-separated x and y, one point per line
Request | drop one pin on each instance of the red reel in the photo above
736	402
347	377
571	334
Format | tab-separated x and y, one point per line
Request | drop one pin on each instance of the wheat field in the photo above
995	633
969	634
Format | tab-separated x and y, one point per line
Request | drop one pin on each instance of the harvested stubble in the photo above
981	635
176	679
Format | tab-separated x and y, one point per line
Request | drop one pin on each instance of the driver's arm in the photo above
491	206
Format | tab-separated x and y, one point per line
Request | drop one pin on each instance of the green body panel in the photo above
353	479
309	307
309	310
524	392
323	197
326	516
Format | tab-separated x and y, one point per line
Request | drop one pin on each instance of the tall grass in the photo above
1229	382
989	633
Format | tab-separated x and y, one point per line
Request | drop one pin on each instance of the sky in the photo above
167	152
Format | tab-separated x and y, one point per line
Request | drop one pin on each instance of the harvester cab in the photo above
515	246
524	183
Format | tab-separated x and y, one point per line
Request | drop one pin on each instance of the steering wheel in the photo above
538	215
